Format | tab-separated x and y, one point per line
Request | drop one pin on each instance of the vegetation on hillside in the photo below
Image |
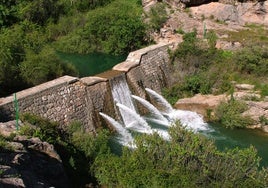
32	32
207	70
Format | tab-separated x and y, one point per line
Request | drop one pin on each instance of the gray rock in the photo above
12	183
33	164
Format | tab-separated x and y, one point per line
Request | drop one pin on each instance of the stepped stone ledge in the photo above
134	58
92	80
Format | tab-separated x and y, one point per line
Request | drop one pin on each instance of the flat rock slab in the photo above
92	80
200	103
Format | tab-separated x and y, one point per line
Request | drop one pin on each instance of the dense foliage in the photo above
230	114
32	32
108	29
186	160
77	148
157	16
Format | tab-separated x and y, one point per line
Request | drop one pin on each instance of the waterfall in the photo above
125	137
160	100
121	94
157	117
137	123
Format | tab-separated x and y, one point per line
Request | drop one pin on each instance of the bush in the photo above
253	60
41	128
264	89
157	16
187	160
229	114
77	148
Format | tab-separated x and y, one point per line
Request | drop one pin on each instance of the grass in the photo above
4	145
251	35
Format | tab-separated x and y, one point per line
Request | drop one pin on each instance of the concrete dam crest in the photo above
67	99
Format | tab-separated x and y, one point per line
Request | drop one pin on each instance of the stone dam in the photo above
69	99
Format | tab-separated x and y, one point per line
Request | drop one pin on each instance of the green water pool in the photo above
92	64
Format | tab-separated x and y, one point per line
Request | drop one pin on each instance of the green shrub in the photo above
172	94
186	160
180	31
44	66
27	130
3	142
263	120
157	16
4	145
42	128
253	60
264	90
229	114
109	30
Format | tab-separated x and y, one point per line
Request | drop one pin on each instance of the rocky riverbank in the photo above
206	105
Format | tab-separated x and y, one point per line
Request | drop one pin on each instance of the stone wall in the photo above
60	100
151	71
68	99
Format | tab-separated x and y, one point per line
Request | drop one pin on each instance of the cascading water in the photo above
121	94
125	137
157	117
160	100
190	120
133	121
137	123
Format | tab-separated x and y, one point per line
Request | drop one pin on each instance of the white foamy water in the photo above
167	108
125	138
189	119
154	112
135	121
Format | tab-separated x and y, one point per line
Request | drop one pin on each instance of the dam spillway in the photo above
69	99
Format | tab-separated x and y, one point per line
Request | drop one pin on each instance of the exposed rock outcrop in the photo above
221	17
240	13
31	163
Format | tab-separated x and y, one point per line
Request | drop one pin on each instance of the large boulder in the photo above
31	163
201	104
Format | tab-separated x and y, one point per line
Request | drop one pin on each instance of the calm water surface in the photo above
92	64
241	138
